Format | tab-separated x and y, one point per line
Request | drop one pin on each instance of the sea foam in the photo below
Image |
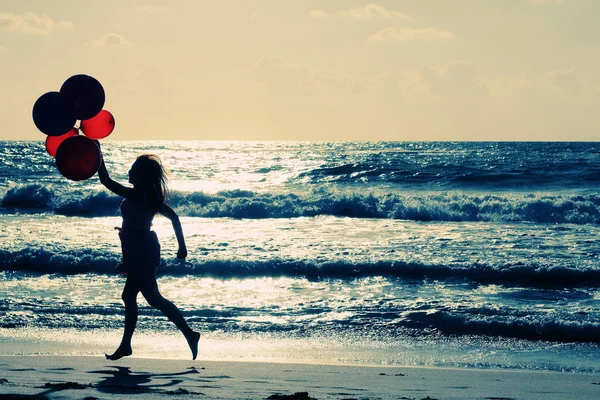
513	207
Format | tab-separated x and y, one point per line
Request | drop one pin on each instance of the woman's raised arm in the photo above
111	185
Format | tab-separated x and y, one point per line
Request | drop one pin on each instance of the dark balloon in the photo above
78	158
52	142
51	116
99	126
83	96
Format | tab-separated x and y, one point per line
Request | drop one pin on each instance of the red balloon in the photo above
78	158
52	142
99	126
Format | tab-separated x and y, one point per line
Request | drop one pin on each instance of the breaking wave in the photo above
42	261
539	208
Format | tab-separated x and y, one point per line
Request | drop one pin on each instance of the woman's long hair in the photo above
152	179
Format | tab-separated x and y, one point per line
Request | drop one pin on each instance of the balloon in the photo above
52	142
78	158
100	126
51	116
83	96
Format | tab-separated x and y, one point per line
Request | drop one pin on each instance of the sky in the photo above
312	70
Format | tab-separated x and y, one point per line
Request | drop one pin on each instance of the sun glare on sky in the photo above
312	70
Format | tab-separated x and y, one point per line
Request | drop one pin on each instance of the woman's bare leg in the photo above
129	296
150	291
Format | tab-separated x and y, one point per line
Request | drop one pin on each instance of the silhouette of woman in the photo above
140	246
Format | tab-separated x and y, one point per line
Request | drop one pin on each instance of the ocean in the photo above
450	254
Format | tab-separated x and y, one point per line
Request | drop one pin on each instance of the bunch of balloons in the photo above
81	97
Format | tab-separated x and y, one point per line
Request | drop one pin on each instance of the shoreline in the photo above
78	377
301	362
336	351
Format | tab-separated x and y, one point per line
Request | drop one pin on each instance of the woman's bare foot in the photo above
193	339
120	353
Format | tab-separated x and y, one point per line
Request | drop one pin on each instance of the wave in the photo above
42	198
488	322
388	323
487	166
559	208
375	320
28	197
449	176
42	261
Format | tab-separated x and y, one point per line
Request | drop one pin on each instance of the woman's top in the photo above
136	216
140	246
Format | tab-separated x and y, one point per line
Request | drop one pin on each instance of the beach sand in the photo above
51	377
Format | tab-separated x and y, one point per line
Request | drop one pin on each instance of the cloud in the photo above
410	34
152	8
563	80
553	84
548	1
373	11
31	23
368	12
152	77
282	76
319	14
65	25
455	78
111	40
275	72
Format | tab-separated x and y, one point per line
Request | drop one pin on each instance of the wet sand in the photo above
49	377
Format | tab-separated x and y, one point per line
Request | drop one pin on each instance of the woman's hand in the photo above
102	172
182	253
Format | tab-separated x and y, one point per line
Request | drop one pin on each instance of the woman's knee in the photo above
155	299
129	298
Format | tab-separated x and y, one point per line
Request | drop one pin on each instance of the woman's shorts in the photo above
141	252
